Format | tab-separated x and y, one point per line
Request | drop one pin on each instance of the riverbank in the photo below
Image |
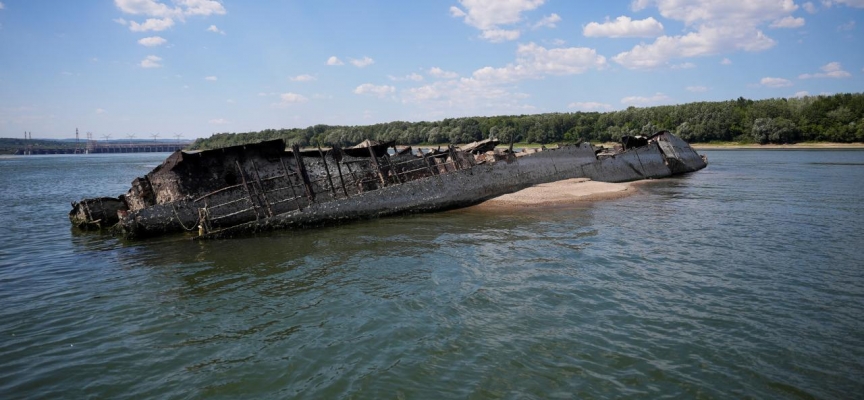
561	193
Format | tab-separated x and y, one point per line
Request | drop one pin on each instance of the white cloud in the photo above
850	3
726	61
697	89
775	82
849	26
151	62
440	73
686	65
2	6
292	98
202	7
230	101
590	106
100	111
145	7
489	14
410	77
364	62
500	35
120	21
152	41
534	61
153	8
788	22
624	27
809	7
830	70
334	61
211	78
708	40
693	11
549	21
715	27
219	121
303	78
801	94
380	91
657	98
151	24
214	29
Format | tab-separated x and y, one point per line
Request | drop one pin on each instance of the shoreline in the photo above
560	193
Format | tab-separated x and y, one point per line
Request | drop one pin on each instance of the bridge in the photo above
93	147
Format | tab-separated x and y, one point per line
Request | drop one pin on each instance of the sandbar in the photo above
560	193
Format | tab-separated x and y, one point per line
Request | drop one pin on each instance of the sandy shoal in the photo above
561	193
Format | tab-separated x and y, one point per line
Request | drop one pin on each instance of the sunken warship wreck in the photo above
264	186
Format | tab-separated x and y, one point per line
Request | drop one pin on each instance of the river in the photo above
742	280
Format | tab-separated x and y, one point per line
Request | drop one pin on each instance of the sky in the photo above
197	67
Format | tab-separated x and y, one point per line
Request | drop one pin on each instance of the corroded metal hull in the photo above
262	187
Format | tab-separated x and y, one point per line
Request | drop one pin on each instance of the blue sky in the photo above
195	67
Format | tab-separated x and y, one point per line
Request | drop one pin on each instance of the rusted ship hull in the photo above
262	187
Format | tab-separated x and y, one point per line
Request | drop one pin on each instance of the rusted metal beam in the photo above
295	149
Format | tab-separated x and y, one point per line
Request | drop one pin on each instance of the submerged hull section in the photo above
233	191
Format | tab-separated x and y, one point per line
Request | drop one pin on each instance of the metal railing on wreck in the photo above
293	188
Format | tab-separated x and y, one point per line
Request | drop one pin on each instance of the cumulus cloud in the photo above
775	82
490	15
291	98
380	91
152	41
849	26
686	65
534	61
211	78
363	62
491	90
500	35
151	24
2	6
590	106
809	7
726	61
334	61
181	8
440	73
788	22
657	98
715	27
624	27
410	77
697	89
801	94
850	3
219	121
151	62
214	29
830	70
549	21
120	21
303	78
98	110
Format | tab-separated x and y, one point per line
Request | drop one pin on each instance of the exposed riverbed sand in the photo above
561	193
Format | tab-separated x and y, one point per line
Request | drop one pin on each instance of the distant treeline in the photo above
11	145
835	118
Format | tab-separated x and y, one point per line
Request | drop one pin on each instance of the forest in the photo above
827	118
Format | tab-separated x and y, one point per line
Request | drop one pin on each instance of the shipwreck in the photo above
264	186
